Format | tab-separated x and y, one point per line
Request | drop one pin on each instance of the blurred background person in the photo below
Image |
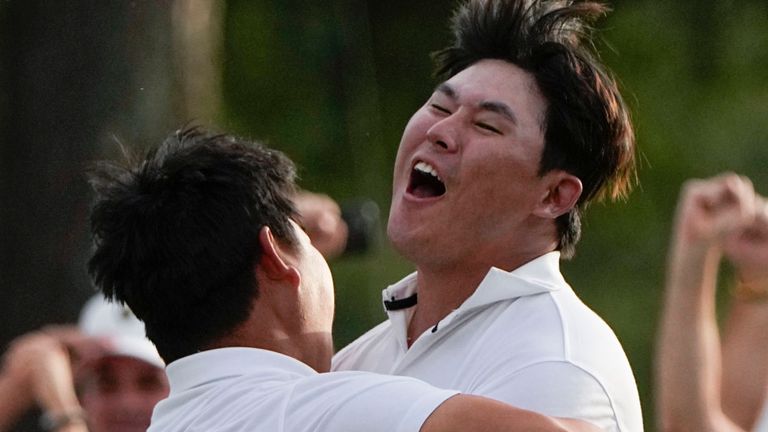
102	376
320	217
703	384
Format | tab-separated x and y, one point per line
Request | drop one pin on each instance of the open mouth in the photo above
424	182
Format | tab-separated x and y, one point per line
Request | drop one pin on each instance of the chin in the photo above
406	244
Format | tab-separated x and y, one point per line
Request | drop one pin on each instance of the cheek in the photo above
150	400
97	407
499	181
414	134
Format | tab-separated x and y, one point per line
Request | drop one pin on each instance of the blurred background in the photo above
332	83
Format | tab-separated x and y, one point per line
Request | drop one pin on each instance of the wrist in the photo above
689	258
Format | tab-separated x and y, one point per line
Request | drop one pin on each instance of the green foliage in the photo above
333	83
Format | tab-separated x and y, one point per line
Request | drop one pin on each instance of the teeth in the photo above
427	169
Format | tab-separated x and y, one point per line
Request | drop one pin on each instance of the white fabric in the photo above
523	337
762	422
248	389
117	325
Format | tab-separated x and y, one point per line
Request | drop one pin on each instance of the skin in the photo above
37	370
120	393
701	384
466	412
320	217
293	313
295	282
117	393
482	132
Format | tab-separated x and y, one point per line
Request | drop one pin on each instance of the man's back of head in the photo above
176	234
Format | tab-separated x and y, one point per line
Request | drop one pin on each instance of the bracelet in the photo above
751	292
55	421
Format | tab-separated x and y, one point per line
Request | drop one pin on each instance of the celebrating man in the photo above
491	177
198	239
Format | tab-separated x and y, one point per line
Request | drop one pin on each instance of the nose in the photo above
445	133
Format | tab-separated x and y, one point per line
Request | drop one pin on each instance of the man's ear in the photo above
561	196
275	261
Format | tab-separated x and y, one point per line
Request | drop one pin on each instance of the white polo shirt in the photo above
762	422
523	337
248	389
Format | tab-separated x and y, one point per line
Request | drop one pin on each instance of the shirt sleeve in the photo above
762	423
554	388
356	401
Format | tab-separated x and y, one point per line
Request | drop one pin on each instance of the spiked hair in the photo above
587	127
176	234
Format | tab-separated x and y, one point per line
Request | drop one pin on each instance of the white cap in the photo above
120	327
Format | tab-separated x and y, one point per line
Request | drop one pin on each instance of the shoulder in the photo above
352	401
587	338
573	352
560	323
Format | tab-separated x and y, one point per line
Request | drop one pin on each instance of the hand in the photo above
320	217
80	347
747	249
711	210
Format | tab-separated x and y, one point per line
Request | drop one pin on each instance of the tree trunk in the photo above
78	81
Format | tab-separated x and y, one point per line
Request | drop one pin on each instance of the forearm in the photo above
38	371
55	393
14	402
745	362
466	413
689	362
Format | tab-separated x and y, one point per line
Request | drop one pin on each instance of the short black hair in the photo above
587	128
176	233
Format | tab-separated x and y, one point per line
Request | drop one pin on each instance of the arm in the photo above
44	363
467	413
689	359
745	339
356	401
15	397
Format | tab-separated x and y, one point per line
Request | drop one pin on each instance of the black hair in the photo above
176	233
587	128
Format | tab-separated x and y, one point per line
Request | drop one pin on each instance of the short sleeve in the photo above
359	401
554	388
762	423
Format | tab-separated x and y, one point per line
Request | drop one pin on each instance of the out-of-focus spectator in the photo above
703	384
321	218
102	376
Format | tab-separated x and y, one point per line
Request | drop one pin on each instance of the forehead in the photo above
121	365
500	81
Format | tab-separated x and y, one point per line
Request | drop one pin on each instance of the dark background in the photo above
332	83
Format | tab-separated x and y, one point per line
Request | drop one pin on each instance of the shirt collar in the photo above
539	275
213	365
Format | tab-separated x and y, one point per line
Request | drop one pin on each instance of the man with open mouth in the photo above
491	177
198	238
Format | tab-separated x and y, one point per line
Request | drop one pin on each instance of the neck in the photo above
442	290
314	349
439	294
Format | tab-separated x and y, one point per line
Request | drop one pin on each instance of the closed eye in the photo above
488	128
440	108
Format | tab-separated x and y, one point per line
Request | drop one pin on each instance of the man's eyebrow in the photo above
447	90
494	106
499	108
